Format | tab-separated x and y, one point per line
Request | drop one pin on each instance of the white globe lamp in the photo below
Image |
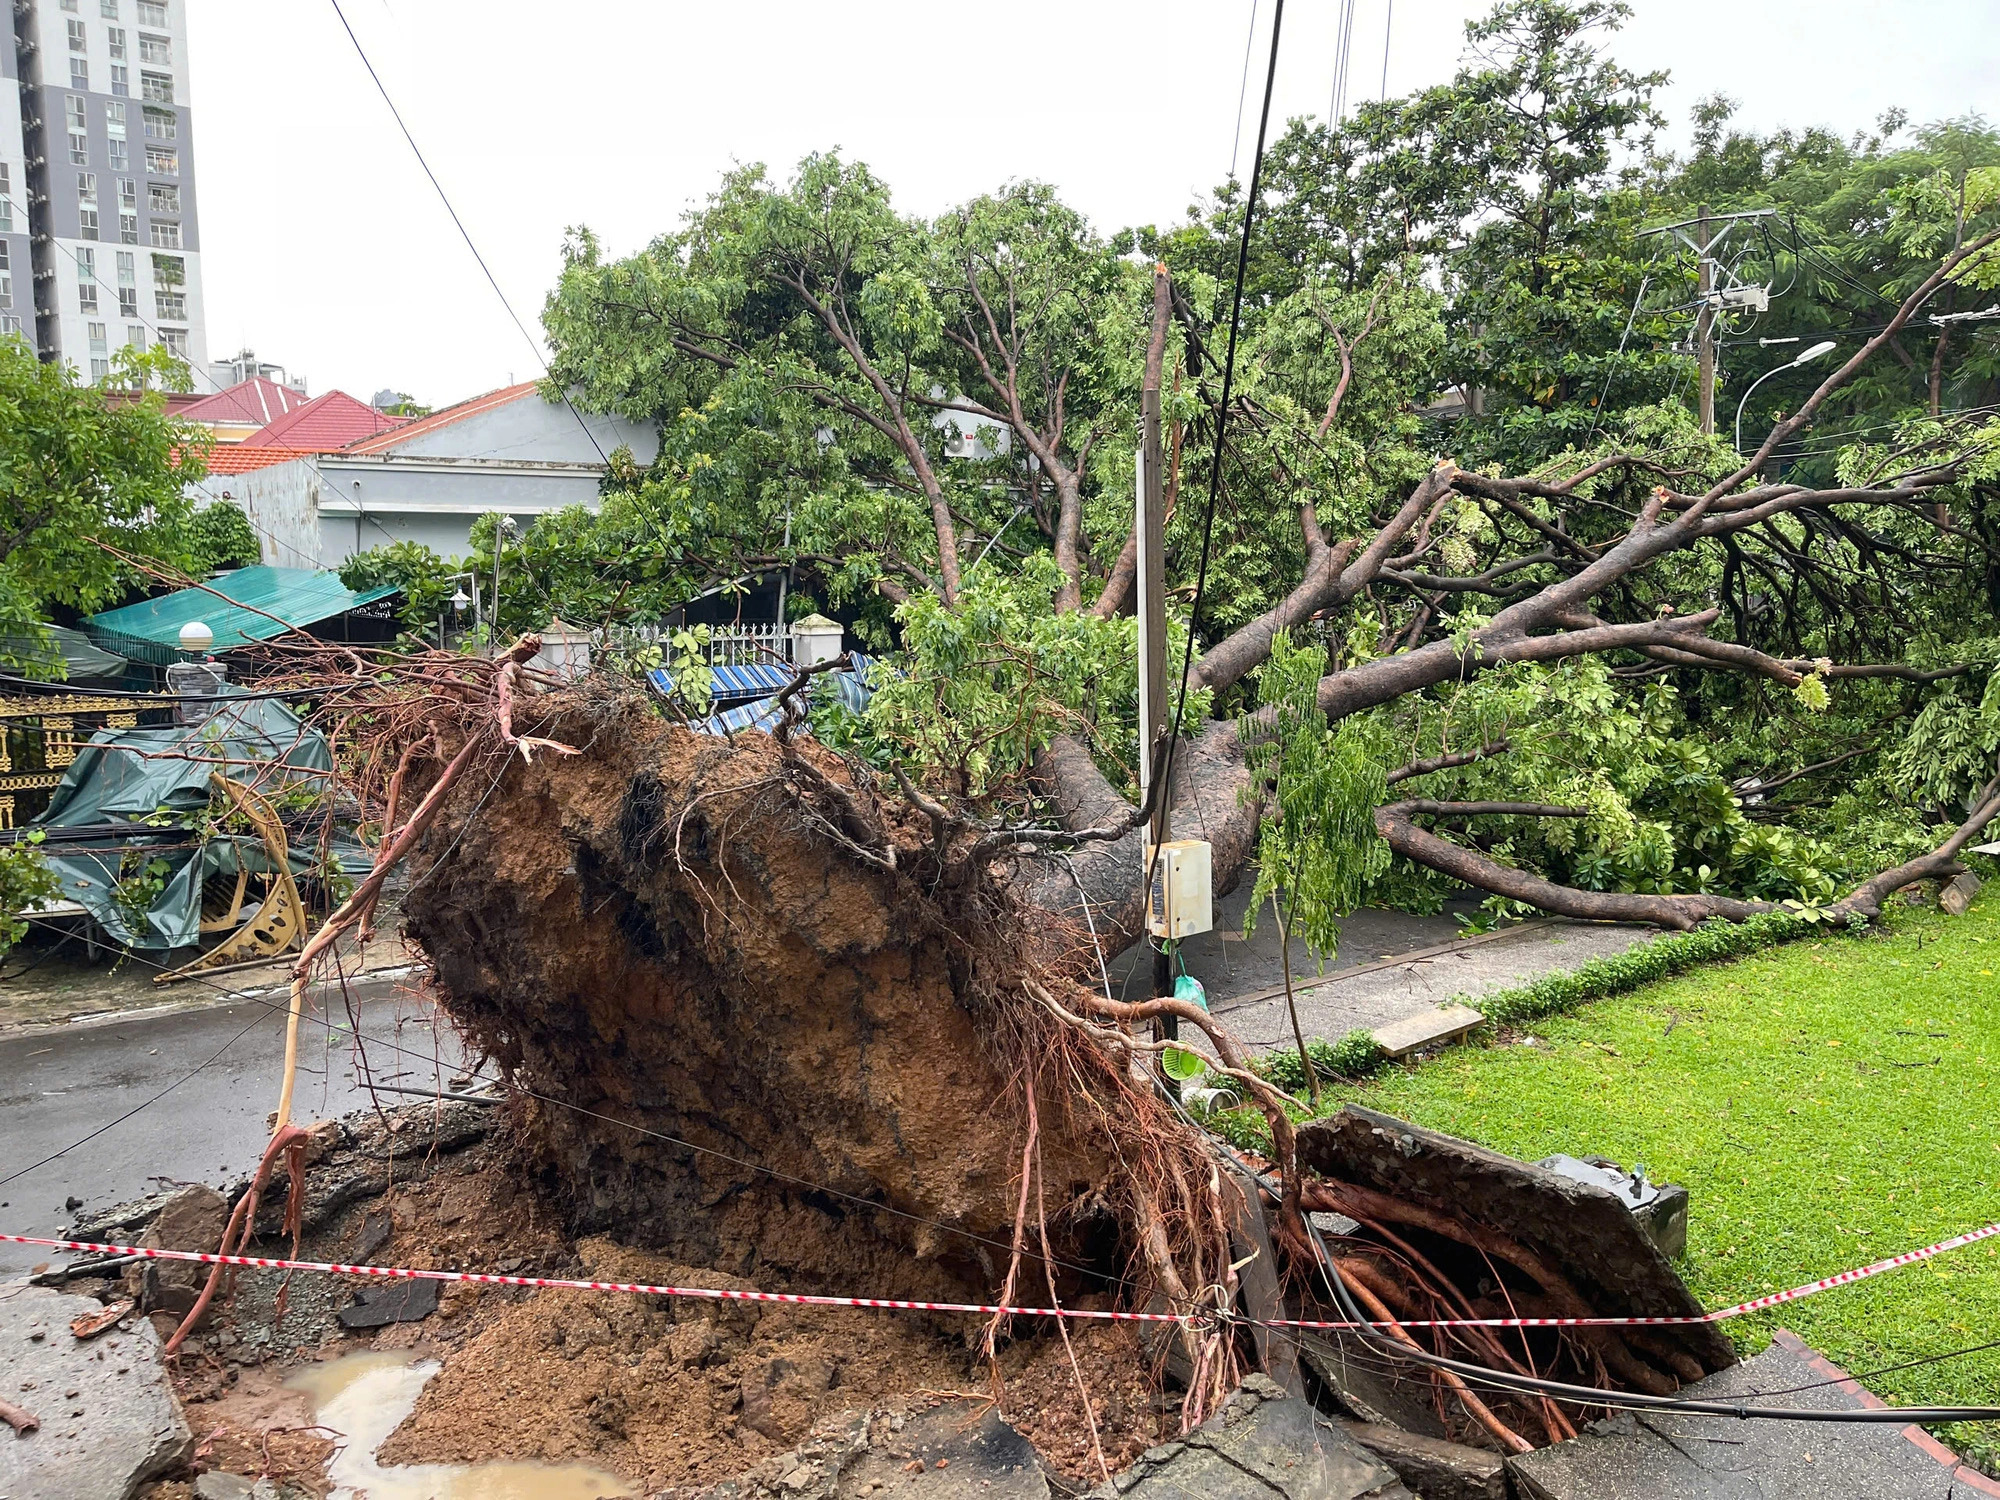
196	638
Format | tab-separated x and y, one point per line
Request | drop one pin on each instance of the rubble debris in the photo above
89	1325
1577	1248
109	1419
1261	1445
949	1450
394	1302
1678	1456
191	1219
1436	1469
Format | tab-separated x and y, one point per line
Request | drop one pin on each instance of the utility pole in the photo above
1152	581
1704	325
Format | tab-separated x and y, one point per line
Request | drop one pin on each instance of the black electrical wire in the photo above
459	223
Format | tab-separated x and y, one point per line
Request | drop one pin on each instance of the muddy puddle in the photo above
365	1397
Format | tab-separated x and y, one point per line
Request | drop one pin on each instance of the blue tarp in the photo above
763	713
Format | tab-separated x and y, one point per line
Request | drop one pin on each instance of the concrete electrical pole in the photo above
1704	325
1154	725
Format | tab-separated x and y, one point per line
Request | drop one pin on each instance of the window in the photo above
115	35
127	268
73	110
69	4
86	223
6	278
77	40
158	50
97	340
169	271
79	73
121	81
169	305
128	303
135	335
86	205
6	201
79	150
176	340
119	161
162	125
163	163
166	236
10	326
108	9
159	87
128	195
163	198
86	279
100	369
128	229
152	12
114	119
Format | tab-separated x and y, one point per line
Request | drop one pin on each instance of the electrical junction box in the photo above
1182	899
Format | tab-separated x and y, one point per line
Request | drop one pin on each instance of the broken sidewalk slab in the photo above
1435	1468
1672	1456
1579	1229
1426	1029
120	1428
1262	1445
395	1302
1362	1383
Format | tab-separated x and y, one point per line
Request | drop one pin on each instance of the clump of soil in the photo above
697	959
663	1392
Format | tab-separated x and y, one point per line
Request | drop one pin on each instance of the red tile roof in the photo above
257	401
241	458
505	396
324	424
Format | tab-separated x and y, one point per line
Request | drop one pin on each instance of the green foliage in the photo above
73	467
1355	1055
427	580
694	682
982	688
219	536
25	878
1319	852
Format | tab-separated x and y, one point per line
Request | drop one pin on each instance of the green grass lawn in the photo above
1825	1104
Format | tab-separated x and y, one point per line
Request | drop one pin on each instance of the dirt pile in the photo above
672	938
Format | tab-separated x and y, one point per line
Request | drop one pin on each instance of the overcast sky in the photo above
326	250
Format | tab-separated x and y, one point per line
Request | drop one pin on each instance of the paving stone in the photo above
123	1427
1260	1446
1957	897
1669	1456
1427	1028
217	1485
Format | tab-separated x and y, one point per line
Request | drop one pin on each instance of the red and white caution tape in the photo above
985	1309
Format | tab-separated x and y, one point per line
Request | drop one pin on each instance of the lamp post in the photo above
1825	347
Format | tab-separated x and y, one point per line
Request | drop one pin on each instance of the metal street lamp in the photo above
1824	347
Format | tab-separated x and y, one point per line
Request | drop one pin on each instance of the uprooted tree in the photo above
821	1003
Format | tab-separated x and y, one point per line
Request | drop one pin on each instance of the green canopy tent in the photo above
254	604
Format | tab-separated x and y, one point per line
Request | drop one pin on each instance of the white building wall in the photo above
110	155
282	503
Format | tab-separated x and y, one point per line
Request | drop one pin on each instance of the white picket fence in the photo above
728	645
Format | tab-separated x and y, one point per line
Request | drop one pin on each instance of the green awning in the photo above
294	596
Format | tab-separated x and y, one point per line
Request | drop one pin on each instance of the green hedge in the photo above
1356	1055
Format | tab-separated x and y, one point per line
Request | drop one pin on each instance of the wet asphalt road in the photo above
218	1070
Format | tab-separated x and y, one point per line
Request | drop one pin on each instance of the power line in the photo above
1243	89
459	223
1388	28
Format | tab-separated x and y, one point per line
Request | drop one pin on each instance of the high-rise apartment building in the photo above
98	219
